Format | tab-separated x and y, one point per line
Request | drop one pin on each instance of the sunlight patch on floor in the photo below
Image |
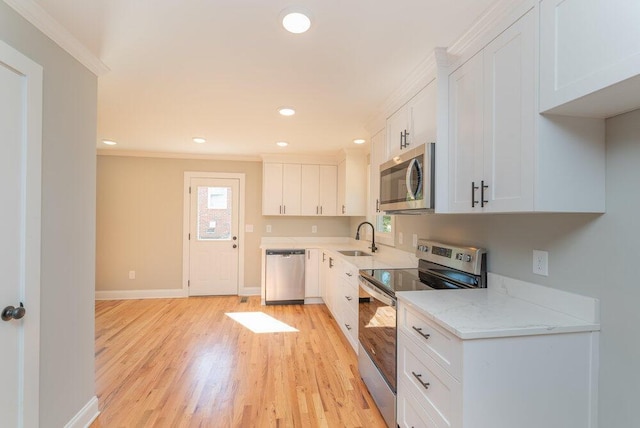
259	322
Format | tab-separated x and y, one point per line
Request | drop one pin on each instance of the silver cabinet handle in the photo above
419	377
349	298
419	330
348	326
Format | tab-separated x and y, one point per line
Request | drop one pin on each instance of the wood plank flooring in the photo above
184	363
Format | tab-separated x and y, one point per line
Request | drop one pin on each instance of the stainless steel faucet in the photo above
373	236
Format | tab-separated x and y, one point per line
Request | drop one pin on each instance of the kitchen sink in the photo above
354	253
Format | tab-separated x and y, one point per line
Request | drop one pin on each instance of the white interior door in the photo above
20	153
214	243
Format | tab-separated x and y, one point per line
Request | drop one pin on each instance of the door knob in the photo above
235	246
10	312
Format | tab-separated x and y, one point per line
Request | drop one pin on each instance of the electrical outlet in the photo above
132	274
268	228
541	262
314	229
415	241
400	238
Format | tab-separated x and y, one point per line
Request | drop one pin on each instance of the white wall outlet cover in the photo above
314	229
132	274
541	262
248	228
268	228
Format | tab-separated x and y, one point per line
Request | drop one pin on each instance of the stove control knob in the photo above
423	248
467	258
459	256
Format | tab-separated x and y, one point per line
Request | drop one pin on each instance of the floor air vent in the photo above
244	299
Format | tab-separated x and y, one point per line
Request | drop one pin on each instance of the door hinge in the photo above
189	189
188	283
189	237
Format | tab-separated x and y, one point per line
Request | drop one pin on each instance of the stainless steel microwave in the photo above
407	182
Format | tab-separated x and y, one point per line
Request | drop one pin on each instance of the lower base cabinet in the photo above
523	381
341	297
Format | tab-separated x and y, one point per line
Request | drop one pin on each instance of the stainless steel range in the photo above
441	267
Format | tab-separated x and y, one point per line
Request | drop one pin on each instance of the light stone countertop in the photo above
506	308
384	258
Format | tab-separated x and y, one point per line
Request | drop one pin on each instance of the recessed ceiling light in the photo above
296	22
282	143
359	141
286	111
199	140
109	142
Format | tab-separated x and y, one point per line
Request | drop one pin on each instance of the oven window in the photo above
377	335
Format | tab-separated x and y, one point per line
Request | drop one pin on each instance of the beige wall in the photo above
68	222
140	220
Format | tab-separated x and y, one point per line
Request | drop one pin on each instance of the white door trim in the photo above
32	160
185	224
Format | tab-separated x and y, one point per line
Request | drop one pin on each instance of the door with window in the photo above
214	243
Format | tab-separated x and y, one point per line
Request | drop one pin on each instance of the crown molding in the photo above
169	155
39	18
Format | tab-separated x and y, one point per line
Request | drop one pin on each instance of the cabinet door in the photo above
509	118
310	178
422	111
342	188
272	189
328	191
465	134
291	174
586	47
312	273
377	156
324	274
397	124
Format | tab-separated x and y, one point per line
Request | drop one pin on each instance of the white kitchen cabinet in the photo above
319	190
281	187
352	184
312	273
324	275
503	155
341	296
377	156
589	57
414	123
526	382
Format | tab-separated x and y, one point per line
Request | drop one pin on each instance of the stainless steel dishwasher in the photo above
284	277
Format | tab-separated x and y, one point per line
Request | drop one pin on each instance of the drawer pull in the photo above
348	274
419	377
419	330
349	298
348	327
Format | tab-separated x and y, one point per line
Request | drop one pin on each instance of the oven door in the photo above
377	330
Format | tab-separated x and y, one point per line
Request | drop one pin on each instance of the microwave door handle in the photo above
413	164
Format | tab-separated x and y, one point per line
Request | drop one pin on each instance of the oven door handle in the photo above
373	292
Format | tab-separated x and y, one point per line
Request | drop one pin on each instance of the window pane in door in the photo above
214	213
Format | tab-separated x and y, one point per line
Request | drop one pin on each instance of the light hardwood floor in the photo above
184	362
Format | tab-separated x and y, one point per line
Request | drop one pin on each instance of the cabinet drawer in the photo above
410	413
439	392
442	346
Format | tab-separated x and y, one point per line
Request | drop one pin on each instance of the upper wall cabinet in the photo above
414	123
319	190
299	189
502	155
377	158
352	184
281	189
589	57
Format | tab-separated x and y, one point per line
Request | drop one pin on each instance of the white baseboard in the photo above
249	291
141	294
86	415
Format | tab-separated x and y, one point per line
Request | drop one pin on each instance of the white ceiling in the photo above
220	68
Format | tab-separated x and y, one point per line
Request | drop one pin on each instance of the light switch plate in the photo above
268	228
132	274
541	262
